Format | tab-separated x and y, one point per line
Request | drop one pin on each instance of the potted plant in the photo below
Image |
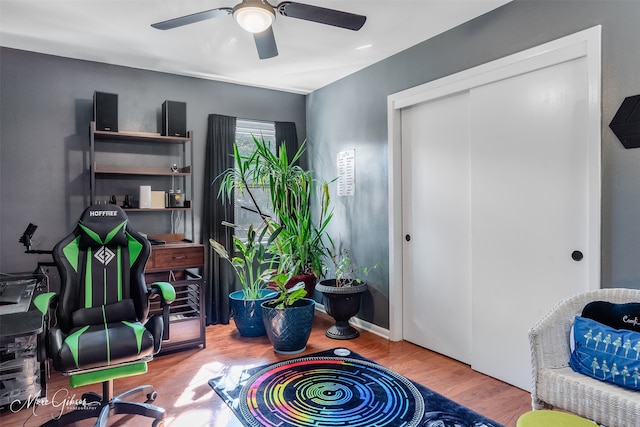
253	267
342	295
288	318
300	244
295	240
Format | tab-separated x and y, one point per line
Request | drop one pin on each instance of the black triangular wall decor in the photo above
626	122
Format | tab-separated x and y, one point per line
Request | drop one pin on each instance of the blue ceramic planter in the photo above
289	329
247	314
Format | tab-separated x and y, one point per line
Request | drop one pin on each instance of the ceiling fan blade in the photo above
266	44
322	15
193	18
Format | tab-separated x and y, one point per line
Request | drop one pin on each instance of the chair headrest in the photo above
103	225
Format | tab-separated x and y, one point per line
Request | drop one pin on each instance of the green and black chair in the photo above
100	327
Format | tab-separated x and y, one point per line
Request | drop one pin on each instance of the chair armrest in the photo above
550	347
166	291
44	301
167	294
549	339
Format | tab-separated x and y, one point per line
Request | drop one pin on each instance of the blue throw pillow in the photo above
605	353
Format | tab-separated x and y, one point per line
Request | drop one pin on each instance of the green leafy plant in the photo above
302	245
347	273
286	297
252	263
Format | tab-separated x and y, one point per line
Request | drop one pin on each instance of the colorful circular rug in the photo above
330	391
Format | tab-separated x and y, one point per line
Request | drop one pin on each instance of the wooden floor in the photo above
181	379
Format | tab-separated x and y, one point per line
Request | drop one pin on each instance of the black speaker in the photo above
105	111
174	118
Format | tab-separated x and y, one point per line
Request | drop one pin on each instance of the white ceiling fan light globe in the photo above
254	17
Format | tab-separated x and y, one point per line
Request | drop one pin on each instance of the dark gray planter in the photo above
247	313
341	303
289	329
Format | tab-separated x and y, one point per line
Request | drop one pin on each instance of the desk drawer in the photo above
166	258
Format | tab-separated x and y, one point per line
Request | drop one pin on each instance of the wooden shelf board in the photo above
138	137
140	170
154	209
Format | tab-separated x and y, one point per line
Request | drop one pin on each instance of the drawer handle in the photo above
179	257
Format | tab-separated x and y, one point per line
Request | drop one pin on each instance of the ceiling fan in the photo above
256	16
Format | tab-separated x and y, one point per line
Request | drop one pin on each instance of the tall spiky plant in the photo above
300	244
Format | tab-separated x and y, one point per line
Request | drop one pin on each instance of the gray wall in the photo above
46	106
351	113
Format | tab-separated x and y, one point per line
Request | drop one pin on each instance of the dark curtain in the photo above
286	131
221	135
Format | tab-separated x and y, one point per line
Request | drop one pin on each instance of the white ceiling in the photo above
311	55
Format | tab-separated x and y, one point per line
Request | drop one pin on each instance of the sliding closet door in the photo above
529	199
495	208
500	202
435	182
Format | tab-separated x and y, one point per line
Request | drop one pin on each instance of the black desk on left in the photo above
22	375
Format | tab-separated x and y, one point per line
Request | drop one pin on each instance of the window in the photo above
243	206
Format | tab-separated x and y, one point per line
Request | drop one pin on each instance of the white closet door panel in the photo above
436	217
529	209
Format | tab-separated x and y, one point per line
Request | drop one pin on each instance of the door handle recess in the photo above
577	255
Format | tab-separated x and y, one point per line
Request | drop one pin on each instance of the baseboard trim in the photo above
362	324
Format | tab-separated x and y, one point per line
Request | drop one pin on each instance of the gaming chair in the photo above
100	329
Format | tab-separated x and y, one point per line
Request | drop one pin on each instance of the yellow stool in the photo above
545	418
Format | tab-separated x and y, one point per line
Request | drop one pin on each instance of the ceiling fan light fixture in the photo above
254	16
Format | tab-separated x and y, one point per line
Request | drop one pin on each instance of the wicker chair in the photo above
555	384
